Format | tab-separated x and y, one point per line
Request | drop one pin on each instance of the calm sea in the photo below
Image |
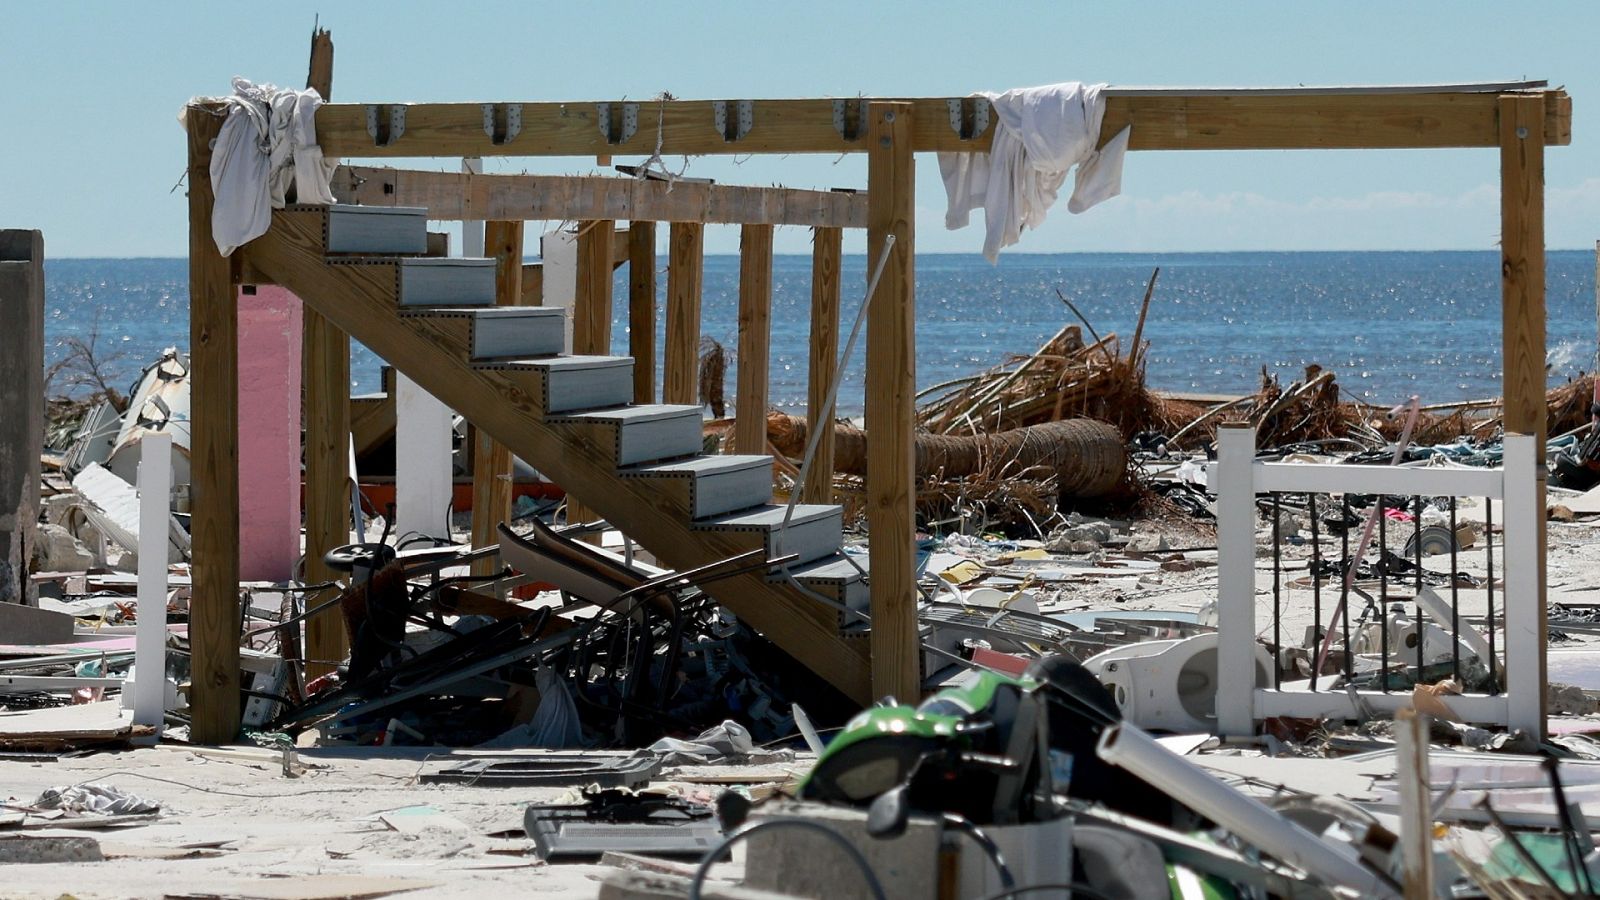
1389	323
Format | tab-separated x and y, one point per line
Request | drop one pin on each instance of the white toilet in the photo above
1168	685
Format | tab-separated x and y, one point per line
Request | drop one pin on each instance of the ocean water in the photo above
1390	324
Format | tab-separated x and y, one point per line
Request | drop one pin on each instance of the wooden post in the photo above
755	338
827	253
642	309
591	314
325	373
491	460
1522	305
685	267
1416	804
213	456
21	407
891	400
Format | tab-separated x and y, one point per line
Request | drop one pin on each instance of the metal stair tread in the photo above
426	262
650	412
770	516
559	361
487	310
835	569
699	464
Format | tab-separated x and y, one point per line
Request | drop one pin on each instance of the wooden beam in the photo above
491	460
591	313
755	338
891	404
213	455
325	374
451	195
827	254
1522	301
685	269
1192	120
642	309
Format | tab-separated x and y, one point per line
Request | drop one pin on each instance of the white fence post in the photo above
1524	645
1234	483
150	635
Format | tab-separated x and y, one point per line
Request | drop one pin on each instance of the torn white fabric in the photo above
267	145
1040	133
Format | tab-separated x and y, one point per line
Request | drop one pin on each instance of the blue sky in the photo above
90	148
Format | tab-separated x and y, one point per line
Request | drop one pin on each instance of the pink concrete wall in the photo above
269	433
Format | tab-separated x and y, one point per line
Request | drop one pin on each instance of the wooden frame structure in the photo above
1518	120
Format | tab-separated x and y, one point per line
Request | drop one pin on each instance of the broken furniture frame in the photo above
1517	119
1238	477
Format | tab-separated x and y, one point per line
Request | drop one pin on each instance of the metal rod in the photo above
1383	598
1455	604
1345	583
1277	588
1488	550
1316	587
1417	620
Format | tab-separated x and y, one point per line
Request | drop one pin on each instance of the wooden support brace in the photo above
642	309
685	268
325	374
1522	305
591	313
827	253
491	460
213	455
890	404
755	338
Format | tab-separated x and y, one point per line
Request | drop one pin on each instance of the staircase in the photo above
639	466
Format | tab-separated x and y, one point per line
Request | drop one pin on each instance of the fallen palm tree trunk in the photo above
1087	458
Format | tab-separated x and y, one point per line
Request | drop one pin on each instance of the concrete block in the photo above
20	848
21	405
31	625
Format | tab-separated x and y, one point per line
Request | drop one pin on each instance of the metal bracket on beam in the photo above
850	118
385	124
745	119
614	133
502	122
969	116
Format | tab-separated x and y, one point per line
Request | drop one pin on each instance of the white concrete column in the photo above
558	254
1233	479
150	637
1523	514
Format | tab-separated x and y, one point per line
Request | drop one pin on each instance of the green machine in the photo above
998	750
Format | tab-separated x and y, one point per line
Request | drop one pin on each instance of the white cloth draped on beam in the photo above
267	146
1039	135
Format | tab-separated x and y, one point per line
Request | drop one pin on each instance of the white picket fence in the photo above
1237	478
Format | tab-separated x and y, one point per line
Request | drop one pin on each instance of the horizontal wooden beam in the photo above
1353	118
454	196
1323	121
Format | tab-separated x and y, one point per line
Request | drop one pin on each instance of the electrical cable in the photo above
1077	888
697	883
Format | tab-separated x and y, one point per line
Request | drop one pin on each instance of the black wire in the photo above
1077	888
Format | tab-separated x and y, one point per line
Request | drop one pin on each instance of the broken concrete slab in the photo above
31	625
22	848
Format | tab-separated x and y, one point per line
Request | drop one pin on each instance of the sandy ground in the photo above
262	831
323	823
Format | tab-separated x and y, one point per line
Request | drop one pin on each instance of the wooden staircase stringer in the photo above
360	298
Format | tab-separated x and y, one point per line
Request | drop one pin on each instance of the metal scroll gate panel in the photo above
1436	595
